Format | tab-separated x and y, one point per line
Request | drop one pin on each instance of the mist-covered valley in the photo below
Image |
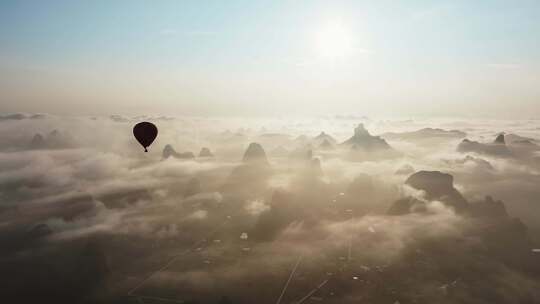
329	209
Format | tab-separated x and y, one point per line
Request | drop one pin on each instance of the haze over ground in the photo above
348	215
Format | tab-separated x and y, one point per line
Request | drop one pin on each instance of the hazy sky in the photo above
471	58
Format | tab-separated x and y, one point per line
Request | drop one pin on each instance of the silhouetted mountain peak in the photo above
205	152
255	154
53	140
169	151
497	148
360	131
37	142
433	182
363	140
322	137
500	139
438	186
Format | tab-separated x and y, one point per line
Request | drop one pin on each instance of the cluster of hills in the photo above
407	217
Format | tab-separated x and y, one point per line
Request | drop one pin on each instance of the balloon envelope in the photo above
145	133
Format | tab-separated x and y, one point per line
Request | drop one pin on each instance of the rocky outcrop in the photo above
500	139
362	140
169	151
255	154
37	142
323	137
497	148
439	186
436	186
53	140
205	152
249	178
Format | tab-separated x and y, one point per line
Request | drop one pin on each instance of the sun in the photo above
334	41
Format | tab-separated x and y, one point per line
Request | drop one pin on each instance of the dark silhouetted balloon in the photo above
145	133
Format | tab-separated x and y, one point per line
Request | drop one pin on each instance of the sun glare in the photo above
334	41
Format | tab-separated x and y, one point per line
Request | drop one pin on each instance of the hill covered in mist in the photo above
301	211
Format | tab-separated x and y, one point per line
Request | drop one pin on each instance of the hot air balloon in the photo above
145	133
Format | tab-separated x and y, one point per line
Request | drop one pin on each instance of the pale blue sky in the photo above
264	57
